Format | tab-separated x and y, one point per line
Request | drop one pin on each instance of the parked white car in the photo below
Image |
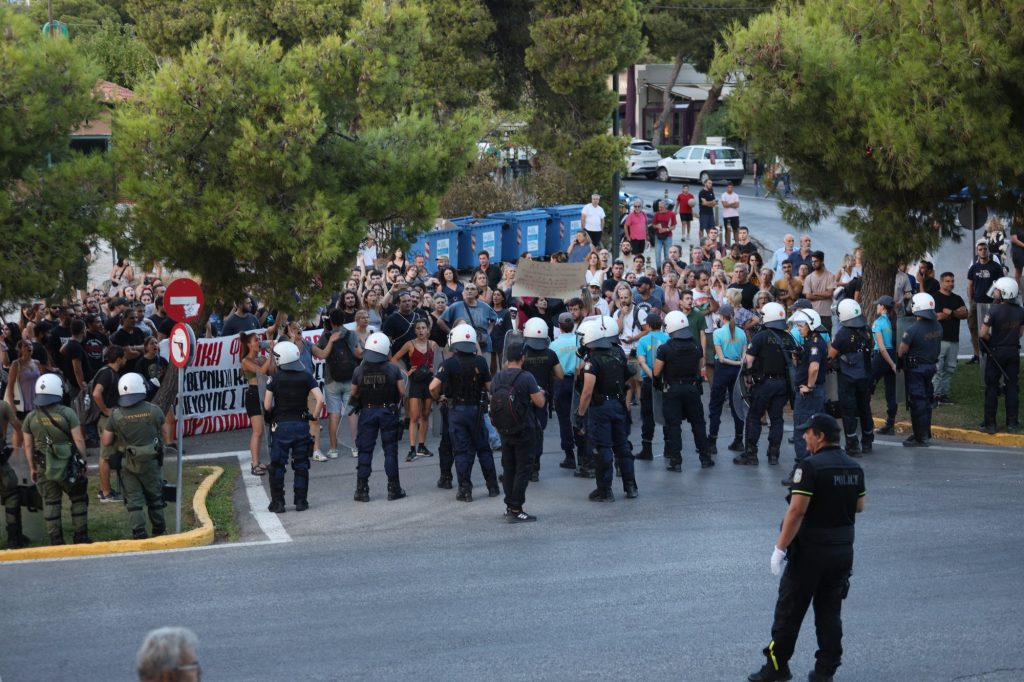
700	162
642	158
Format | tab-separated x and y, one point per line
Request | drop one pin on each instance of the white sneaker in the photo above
355	452
318	456
332	453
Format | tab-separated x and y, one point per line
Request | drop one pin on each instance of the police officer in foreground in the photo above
9	495
817	541
464	380
134	431
919	351
543	364
679	372
809	378
1000	338
852	346
603	408
51	432
377	390
286	405
768	363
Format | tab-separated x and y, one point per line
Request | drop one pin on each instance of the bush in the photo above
668	149
483	190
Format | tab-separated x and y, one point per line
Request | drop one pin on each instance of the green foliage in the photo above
719	124
121	57
482	191
81	16
253	166
166	28
886	107
457	64
51	202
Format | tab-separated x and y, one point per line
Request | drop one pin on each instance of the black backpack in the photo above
508	407
341	362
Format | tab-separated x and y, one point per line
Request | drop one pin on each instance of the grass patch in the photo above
220	504
967	394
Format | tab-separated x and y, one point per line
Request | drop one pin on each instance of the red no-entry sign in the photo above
183	300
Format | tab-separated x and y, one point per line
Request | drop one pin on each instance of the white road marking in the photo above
258	502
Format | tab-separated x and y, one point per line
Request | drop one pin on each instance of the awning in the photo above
695	92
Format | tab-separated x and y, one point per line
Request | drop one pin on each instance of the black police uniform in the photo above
379	404
517	450
1003	363
463	378
584	443
814	349
854	345
771	351
541	364
608	422
290	435
681	381
924	342
819	560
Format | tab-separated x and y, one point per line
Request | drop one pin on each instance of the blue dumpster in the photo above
565	223
479	234
525	231
437	243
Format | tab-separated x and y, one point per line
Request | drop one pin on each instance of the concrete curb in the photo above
193	538
1005	440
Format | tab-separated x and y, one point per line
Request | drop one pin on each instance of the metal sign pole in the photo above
179	413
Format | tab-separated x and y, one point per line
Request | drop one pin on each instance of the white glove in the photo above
777	556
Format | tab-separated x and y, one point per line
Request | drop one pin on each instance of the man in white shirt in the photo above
782	254
730	203
592	218
368	253
598	302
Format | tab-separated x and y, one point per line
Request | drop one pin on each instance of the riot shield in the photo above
657	402
511	337
903	323
741	397
983	357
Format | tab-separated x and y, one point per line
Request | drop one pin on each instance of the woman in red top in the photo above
664	227
421	352
685	203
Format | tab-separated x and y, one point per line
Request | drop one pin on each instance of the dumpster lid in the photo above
444	224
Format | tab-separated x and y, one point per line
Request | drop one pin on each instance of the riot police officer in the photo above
919	351
602	406
286	405
852	346
768	365
377	390
543	364
9	495
464	379
49	431
1000	335
134	431
679	372
809	378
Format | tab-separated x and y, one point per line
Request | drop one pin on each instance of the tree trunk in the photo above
878	280
666	108
698	124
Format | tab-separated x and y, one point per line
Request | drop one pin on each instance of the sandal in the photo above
259	469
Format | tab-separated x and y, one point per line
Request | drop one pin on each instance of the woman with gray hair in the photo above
168	654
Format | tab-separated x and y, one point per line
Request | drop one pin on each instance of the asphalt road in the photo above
671	586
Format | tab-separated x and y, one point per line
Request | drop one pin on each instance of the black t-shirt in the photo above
107	378
95	343
400	328
749	247
163	324
706	195
123	337
749	291
951	325
835	484
931	286
1004	320
151	368
56	338
65	358
112	323
493	273
524	383
609	284
983	275
541	363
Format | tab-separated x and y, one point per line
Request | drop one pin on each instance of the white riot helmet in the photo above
1007	288
923	305
850	314
132	389
610	327
536	333
807	316
49	390
592	333
773	315
677	325
378	348
462	338
286	355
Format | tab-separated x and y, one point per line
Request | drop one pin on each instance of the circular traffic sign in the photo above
182	345
183	300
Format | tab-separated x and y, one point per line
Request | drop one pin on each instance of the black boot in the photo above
534	475
889	429
301	504
82	537
584	472
445	482
276	503
492	487
706	459
852	446
748	458
773	455
56	539
139	535
674	464
569	462
712	448
362	490
646	452
630	489
395	491
736	445
867	442
602	494
465	493
15	540
768	673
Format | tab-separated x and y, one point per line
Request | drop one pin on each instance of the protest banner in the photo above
549	280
